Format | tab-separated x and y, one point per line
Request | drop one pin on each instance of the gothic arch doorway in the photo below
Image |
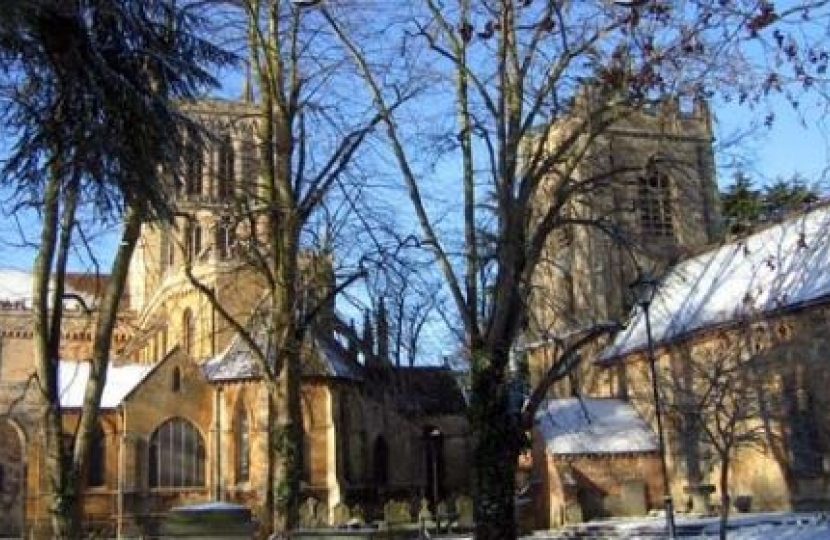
12	478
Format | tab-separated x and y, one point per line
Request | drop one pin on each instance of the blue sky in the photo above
798	141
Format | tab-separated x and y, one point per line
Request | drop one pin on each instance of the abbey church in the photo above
184	412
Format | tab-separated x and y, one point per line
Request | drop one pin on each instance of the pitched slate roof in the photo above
593	426
328	359
427	390
121	380
784	266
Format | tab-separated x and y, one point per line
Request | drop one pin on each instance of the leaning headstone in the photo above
309	513
340	515
464	507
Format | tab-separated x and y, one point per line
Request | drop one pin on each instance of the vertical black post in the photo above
661	444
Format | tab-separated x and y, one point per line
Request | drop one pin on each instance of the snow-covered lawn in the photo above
761	526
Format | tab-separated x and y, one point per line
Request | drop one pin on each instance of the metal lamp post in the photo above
644	289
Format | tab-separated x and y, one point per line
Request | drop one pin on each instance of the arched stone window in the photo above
96	473
177	455
188	332
225	239
655	206
225	169
193	241
248	167
242	445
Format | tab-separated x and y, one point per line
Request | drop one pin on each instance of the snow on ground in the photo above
760	526
780	526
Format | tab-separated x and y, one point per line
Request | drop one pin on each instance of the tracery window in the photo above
655	208
177	455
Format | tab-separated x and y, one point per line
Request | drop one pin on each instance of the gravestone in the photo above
311	514
632	501
396	513
209	520
424	514
340	515
464	508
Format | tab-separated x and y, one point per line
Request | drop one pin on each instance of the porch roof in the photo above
593	426
121	380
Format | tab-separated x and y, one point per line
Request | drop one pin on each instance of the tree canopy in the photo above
746	205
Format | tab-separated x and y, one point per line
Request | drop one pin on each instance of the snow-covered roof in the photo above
16	287
784	266
121	380
328	359
593	426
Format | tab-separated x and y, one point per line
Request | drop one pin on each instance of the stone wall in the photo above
783	465
12	479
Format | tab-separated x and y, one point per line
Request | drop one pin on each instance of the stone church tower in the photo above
655	193
203	235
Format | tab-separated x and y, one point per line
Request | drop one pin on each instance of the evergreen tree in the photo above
742	204
89	91
785	196
745	206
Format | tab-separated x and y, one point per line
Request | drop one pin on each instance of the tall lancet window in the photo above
225	169
188	332
193	171
225	238
241	433
655	205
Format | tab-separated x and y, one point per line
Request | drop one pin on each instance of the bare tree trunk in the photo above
53	251
290	452
107	315
725	499
495	456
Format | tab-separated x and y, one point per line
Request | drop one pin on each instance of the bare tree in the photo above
520	91
309	126
720	399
